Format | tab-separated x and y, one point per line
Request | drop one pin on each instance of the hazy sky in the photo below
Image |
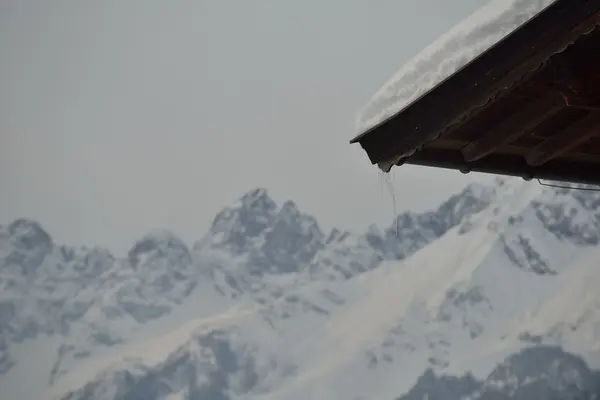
120	116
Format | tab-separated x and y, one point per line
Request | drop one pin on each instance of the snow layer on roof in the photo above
448	54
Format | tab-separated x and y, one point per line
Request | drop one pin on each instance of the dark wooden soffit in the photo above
486	80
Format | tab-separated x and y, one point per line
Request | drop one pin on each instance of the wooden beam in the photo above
583	103
514	126
562	142
500	164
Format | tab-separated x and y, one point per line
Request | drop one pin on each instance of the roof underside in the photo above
529	106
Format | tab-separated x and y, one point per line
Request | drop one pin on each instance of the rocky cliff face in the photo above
534	373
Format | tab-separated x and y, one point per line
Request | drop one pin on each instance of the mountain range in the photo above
492	295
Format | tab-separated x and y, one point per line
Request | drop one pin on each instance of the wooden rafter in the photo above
566	140
514	126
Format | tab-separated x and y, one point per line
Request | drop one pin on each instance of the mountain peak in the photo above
159	243
290	207
29	234
238	225
291	214
255	204
160	235
276	239
256	199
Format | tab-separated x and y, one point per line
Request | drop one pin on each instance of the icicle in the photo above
388	178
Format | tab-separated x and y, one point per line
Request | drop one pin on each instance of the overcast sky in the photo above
119	117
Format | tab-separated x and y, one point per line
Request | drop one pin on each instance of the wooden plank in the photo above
566	140
514	126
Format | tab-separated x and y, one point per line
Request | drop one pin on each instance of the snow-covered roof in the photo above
447	55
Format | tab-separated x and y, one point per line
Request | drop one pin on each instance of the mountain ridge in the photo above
273	277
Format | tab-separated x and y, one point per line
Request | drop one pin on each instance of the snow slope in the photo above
447	55
267	306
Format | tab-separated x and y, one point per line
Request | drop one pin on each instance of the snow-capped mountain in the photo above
490	296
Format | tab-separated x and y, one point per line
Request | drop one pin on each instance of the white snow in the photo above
447	55
148	350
